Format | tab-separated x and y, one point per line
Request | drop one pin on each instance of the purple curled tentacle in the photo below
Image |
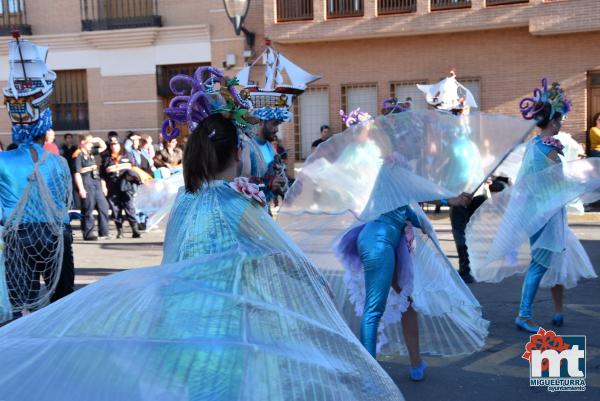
165	130
246	104
197	105
200	71
177	101
388	103
181	79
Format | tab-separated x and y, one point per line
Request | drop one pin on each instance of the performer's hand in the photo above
82	194
461	200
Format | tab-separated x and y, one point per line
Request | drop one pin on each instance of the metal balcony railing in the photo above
345	8
13	16
501	2
294	10
396	6
437	5
99	15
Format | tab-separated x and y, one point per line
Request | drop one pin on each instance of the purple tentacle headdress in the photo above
195	100
394	106
354	117
555	96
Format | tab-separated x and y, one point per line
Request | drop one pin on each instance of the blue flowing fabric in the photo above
498	234
424	153
375	168
235	312
155	198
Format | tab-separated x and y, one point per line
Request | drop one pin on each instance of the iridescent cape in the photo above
376	167
235	312
499	231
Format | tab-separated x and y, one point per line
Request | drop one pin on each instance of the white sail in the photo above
444	94
300	78
243	76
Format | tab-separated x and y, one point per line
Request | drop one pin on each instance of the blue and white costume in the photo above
235	312
533	212
362	206
35	192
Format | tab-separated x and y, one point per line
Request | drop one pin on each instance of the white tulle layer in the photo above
499	231
450	320
243	315
426	155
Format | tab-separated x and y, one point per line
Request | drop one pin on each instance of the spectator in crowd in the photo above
92	189
169	158
49	144
67	150
128	144
594	137
148	153
135	155
325	135
109	140
120	182
1	147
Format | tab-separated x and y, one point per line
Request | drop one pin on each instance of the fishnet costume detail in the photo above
33	235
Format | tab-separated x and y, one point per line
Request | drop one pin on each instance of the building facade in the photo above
114	58
369	50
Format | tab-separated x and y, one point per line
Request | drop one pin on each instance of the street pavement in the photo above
496	373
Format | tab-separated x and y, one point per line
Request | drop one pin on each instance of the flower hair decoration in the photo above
555	96
199	99
248	190
354	117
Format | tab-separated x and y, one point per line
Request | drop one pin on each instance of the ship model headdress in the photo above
282	81
449	95
27	94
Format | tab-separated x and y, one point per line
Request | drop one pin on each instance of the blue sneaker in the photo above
558	320
526	324
418	374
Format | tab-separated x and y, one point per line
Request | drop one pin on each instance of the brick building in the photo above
368	50
114	58
113	63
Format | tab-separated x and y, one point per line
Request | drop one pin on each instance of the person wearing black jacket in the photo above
120	182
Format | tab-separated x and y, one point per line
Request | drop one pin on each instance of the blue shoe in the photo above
417	374
558	320
526	324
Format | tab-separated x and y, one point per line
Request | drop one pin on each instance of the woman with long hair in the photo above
235	312
120	181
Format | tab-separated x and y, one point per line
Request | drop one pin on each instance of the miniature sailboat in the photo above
283	80
30	81
448	94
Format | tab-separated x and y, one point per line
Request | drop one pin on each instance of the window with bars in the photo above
311	113
13	16
119	14
344	8
70	101
405	89
361	95
474	85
